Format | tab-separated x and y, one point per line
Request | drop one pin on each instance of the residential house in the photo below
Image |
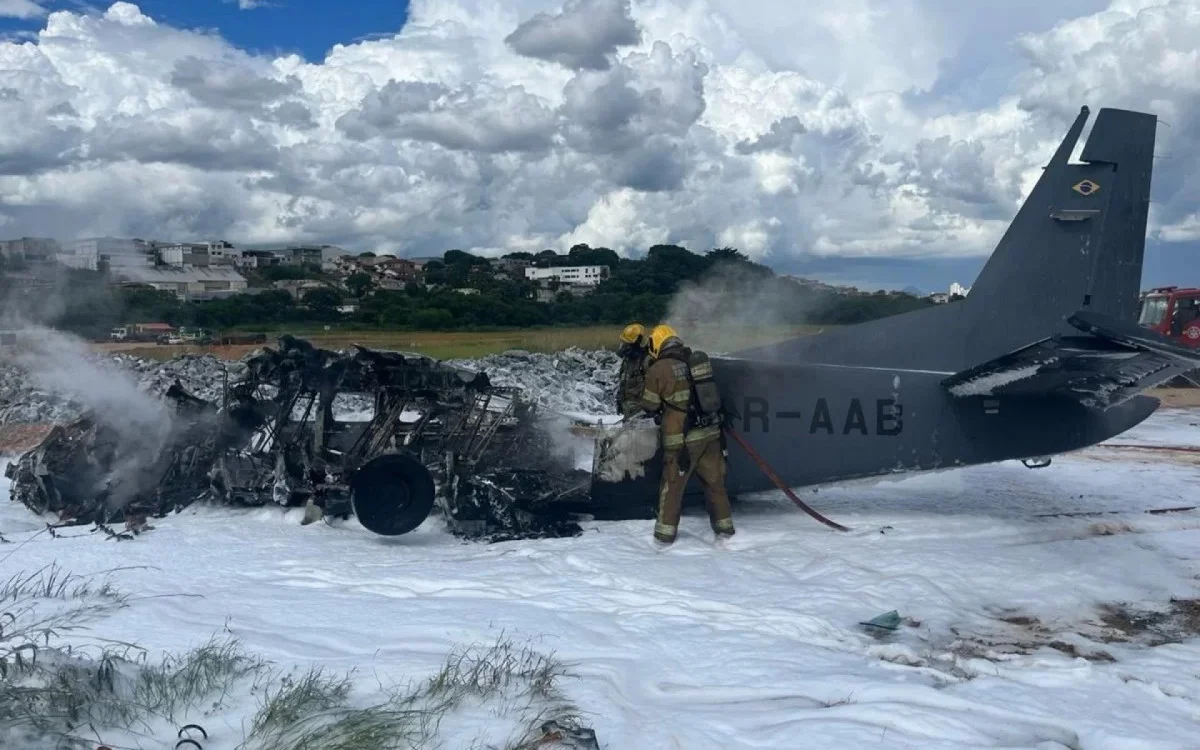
299	287
200	254
348	264
30	248
396	268
391	285
323	256
513	268
261	258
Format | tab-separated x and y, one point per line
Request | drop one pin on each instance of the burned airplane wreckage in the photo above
439	439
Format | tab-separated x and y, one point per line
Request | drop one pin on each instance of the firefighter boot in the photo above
312	513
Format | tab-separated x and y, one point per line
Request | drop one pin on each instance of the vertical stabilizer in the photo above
1078	241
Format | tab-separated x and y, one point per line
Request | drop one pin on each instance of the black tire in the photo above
392	495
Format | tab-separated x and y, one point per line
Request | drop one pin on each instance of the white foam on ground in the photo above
755	645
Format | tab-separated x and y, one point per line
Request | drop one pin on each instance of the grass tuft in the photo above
207	673
59	694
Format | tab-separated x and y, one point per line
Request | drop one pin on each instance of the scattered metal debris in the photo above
557	736
886	621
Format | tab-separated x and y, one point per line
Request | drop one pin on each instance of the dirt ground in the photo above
466	344
1181	398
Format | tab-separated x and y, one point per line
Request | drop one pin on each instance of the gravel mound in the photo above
574	381
22	400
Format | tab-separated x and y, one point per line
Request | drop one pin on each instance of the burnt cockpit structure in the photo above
386	437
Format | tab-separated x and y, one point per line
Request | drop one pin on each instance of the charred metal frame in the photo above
274	439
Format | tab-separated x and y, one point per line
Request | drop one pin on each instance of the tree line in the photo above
636	289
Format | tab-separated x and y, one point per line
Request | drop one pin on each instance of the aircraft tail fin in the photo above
1079	239
1075	245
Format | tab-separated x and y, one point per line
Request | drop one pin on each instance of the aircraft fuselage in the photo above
819	424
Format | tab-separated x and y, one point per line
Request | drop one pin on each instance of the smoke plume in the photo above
569	450
734	306
141	423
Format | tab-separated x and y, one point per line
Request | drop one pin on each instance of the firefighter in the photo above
690	444
634	360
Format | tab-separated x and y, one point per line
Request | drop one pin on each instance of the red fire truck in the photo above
1173	312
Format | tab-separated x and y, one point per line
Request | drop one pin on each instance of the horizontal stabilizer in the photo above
1109	364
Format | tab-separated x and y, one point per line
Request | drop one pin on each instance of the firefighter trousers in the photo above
707	462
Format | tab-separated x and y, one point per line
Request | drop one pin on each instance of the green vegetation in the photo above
724	285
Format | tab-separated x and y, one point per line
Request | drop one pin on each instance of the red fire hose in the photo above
766	469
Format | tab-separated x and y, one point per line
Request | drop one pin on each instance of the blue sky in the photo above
1165	264
305	27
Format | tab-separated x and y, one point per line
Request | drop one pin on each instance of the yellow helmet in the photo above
659	336
632	333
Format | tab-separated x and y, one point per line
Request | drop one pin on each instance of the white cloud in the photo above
24	9
778	127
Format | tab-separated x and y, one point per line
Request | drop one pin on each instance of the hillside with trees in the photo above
636	289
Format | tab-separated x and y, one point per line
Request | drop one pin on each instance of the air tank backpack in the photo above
705	395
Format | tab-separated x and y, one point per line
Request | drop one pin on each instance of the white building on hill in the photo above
580	275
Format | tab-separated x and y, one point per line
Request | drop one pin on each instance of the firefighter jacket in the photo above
632	381
668	389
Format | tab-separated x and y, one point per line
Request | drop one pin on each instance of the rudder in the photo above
1125	140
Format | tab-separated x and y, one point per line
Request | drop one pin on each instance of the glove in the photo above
684	462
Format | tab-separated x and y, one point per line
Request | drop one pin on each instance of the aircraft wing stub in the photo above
1111	363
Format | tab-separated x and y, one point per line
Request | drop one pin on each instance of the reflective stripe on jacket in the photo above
667	389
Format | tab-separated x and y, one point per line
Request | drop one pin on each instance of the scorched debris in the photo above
438	436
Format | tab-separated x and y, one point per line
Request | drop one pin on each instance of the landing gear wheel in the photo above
392	494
